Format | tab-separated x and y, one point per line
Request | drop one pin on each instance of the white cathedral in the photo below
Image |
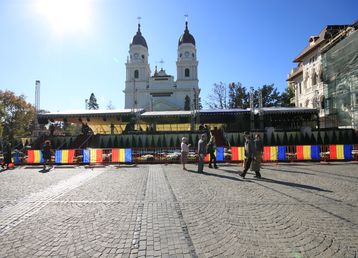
160	92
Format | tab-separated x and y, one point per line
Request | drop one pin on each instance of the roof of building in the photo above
286	110
138	39
315	41
97	112
298	71
186	37
167	113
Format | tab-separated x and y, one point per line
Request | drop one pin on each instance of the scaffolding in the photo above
340	75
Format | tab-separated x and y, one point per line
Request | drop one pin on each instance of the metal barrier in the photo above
234	154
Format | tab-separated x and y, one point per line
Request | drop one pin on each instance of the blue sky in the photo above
78	47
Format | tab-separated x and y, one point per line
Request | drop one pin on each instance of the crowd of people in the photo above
253	153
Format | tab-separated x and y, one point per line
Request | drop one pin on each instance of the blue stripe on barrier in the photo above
348	151
128	155
86	156
220	153
281	153
58	156
315	152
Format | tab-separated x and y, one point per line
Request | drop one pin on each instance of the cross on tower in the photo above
161	63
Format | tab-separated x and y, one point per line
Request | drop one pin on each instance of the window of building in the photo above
307	102
300	87
322	100
136	74
187	72
314	77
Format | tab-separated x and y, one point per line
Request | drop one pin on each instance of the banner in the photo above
121	155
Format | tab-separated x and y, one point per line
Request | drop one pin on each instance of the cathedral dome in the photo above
138	39
186	37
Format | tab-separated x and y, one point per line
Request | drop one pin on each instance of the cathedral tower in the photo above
187	66
137	69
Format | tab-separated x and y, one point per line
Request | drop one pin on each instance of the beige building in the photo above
307	78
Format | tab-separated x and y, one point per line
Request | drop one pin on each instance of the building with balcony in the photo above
309	79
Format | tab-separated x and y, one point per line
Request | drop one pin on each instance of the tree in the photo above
286	97
219	98
187	103
16	116
110	106
270	96
92	103
238	97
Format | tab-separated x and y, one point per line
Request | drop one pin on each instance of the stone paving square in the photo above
296	210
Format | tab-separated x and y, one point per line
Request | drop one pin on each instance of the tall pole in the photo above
261	112
252	125
37	107
37	96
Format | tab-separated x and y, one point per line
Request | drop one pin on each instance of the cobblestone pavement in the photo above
296	210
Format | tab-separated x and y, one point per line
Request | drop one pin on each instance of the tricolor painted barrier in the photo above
219	154
237	153
281	153
340	152
121	155
64	156
307	152
34	157
93	156
270	153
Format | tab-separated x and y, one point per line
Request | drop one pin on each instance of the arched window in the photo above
314	77
136	74
187	72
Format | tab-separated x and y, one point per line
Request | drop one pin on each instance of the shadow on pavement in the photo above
216	175
293	184
289	171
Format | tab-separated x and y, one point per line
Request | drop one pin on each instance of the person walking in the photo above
211	147
258	149
7	155
249	154
46	154
184	151
201	152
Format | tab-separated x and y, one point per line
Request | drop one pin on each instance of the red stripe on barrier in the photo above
332	152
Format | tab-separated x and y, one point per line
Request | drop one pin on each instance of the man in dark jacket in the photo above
201	152
7	155
249	154
46	154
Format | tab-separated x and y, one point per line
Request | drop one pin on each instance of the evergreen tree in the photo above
92	103
286	97
187	103
238	97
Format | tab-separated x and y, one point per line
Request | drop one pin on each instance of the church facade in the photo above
159	91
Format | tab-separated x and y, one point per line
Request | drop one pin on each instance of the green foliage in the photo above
270	96
92	103
238	96
187	103
71	129
16	116
286	97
